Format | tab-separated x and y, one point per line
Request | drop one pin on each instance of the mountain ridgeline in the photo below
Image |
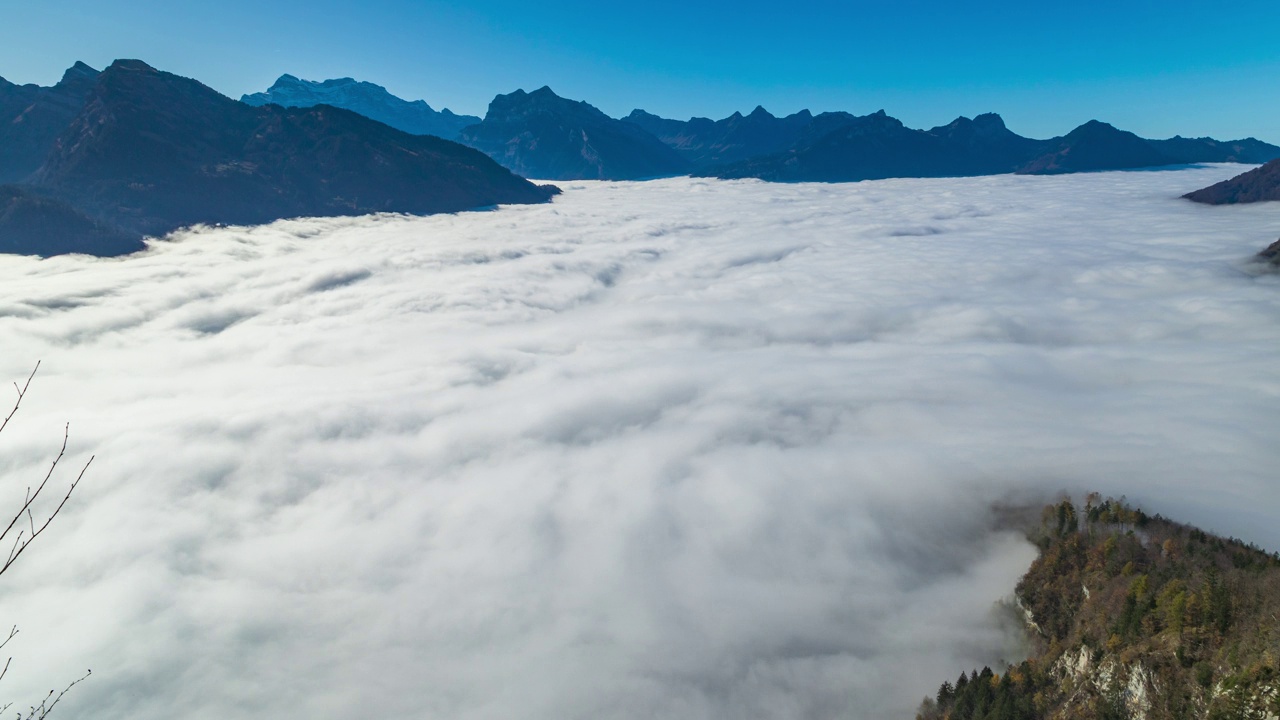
367	99
101	160
1134	617
543	135
540	134
107	158
878	146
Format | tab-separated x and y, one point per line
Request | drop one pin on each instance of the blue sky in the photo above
1157	68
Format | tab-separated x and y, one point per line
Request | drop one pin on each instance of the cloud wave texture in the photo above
679	449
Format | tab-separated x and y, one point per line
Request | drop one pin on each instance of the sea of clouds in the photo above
682	449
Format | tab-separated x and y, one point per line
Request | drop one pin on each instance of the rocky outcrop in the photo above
1258	185
1137	618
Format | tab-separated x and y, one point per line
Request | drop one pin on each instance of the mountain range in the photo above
540	134
372	101
879	146
102	159
107	158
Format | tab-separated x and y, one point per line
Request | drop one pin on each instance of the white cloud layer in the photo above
681	449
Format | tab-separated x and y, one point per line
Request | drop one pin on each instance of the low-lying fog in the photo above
682	449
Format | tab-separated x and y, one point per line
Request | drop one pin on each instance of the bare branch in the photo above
31	497
41	711
22	392
52	515
12	632
26	536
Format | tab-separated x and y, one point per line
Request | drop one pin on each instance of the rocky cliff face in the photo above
364	98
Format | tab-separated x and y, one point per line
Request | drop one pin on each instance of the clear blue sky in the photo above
1157	68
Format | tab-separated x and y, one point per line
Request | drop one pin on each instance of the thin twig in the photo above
52	515
22	392
12	632
44	709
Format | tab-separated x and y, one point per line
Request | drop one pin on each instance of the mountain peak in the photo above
1094	126
131	65
543	135
989	119
760	113
79	71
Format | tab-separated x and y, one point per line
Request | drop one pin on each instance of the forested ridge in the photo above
1133	616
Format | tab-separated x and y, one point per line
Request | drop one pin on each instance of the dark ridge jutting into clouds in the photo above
134	151
683	449
104	159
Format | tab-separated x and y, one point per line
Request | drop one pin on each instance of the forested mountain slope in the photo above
1134	617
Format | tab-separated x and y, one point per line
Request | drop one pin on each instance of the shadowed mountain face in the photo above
1257	185
543	135
367	99
706	143
35	225
32	116
149	152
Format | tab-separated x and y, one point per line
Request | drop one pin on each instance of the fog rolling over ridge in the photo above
683	449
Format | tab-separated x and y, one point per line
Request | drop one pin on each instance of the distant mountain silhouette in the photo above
705	143
844	148
1257	185
150	152
1095	146
837	147
32	116
34	225
1205	150
543	135
367	99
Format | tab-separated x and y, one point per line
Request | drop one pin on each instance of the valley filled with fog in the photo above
677	449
